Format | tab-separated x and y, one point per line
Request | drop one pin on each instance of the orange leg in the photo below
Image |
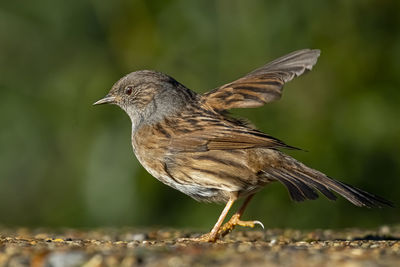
235	220
218	231
213	235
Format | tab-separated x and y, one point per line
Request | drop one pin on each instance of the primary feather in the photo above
262	85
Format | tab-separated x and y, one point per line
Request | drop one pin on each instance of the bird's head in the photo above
147	96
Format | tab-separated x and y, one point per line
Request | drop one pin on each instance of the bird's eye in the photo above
128	90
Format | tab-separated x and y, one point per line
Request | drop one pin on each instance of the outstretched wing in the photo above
262	85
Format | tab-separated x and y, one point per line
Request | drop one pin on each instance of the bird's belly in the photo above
156	168
199	193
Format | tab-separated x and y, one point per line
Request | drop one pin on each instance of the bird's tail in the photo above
302	183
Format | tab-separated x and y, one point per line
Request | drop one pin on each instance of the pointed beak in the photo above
106	100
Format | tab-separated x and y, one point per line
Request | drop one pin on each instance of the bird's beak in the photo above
106	100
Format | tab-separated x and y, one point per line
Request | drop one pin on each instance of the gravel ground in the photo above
133	247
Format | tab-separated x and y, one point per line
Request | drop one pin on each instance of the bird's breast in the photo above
150	150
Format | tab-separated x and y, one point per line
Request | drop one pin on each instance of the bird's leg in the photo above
235	220
213	235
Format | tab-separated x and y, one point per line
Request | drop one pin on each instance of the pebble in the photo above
139	237
112	247
71	258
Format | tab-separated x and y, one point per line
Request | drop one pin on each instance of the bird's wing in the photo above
224	138
262	85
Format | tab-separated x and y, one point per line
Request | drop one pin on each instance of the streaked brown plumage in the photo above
189	142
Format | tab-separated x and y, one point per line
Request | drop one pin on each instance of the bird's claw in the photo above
260	224
235	220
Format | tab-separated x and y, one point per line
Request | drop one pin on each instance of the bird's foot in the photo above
235	220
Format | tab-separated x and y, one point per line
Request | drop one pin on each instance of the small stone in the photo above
71	258
384	230
139	237
41	236
95	261
133	244
357	252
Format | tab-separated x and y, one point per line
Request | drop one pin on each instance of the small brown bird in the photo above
189	142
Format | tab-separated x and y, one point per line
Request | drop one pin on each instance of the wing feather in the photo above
264	84
225	138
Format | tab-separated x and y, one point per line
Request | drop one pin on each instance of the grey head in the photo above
148	96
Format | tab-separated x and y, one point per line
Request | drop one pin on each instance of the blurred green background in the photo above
64	162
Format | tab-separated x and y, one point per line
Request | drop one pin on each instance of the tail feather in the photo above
301	182
298	189
315	184
361	198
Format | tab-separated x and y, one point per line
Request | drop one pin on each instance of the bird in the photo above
191	142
